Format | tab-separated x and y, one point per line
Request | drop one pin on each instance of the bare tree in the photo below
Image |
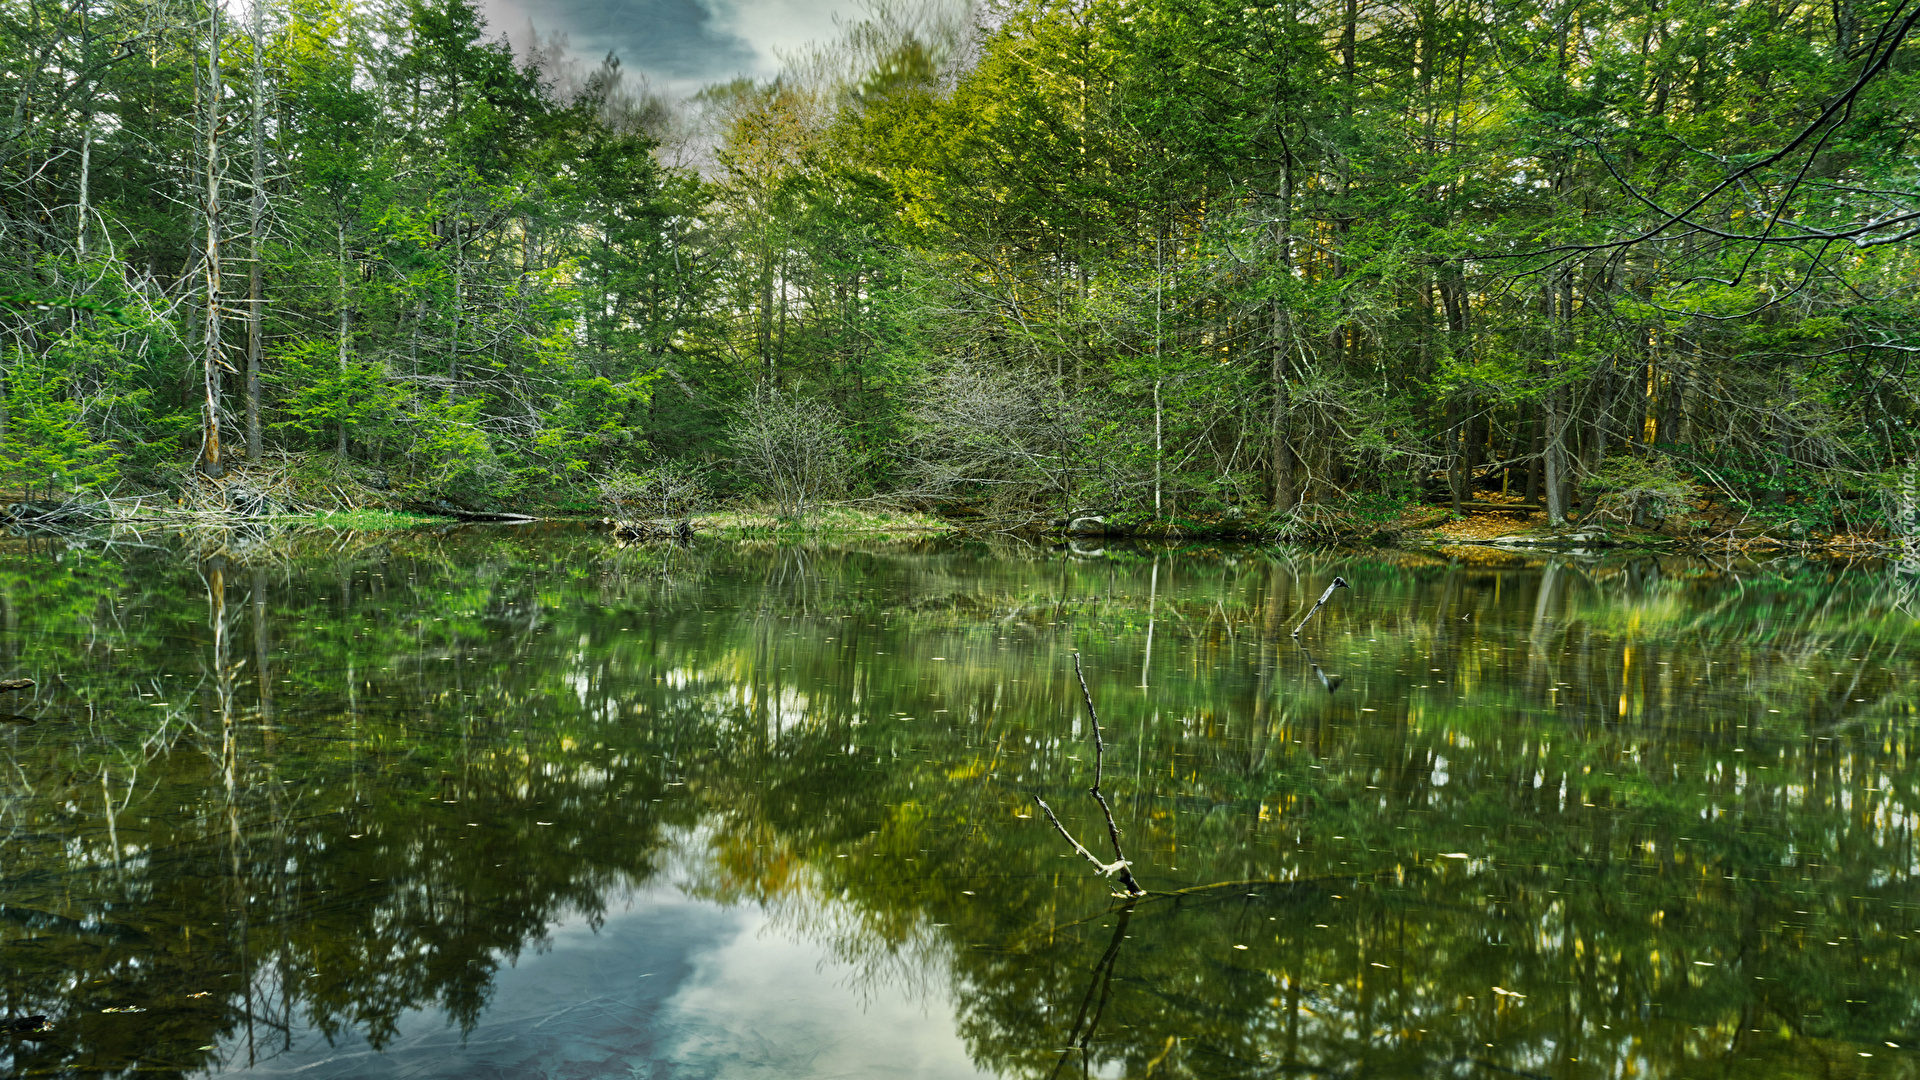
212	363
988	431
659	502
791	448
256	227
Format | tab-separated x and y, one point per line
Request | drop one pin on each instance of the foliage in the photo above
1630	489
44	442
1101	255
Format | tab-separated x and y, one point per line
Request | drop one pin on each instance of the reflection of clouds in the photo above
666	985
762	1005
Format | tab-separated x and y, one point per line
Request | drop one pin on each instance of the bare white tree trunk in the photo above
210	449
256	226
86	176
346	333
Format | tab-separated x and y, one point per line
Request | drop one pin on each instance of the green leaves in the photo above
45	442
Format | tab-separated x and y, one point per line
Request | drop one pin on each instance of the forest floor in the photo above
1710	526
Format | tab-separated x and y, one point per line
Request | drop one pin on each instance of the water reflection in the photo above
438	804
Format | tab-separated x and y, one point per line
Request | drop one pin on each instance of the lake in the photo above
519	802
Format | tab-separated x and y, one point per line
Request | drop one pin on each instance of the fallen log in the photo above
1524	508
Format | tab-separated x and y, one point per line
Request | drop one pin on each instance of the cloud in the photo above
680	45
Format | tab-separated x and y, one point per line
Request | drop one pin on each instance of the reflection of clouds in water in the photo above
764	1006
667	985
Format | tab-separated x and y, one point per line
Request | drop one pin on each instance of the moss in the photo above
364	520
829	521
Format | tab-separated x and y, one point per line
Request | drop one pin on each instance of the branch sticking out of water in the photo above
1106	869
1119	867
1338	583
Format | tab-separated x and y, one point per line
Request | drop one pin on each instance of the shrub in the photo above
791	449
1634	489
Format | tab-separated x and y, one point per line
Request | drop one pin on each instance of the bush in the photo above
1634	489
667	492
46	443
791	449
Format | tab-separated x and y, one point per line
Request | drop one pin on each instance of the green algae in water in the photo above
489	802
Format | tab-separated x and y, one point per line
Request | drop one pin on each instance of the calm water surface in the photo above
521	803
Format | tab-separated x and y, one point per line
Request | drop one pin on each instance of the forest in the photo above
1294	262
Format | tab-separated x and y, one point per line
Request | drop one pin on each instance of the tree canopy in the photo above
1166	258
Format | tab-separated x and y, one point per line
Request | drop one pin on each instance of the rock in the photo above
1088	526
15	684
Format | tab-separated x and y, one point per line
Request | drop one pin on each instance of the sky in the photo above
681	45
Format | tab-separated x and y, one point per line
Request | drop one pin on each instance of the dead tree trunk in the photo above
256	225
210	367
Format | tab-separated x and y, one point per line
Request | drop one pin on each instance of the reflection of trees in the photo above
290	833
1570	770
239	869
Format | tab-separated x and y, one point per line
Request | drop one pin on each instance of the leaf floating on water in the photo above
1503	992
124	1009
1455	855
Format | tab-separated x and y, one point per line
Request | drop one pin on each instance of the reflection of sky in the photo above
667	986
679	44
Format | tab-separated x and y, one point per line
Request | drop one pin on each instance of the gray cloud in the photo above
679	44
678	39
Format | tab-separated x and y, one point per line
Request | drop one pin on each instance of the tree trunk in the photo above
1280	430
459	300
1599	423
1279	351
346	339
86	176
1456	454
256	224
210	382
1556	456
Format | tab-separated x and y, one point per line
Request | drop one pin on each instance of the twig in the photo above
1338	583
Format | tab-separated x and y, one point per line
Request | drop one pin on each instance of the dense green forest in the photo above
1292	259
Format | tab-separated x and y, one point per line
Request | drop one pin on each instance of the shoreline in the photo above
1474	531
